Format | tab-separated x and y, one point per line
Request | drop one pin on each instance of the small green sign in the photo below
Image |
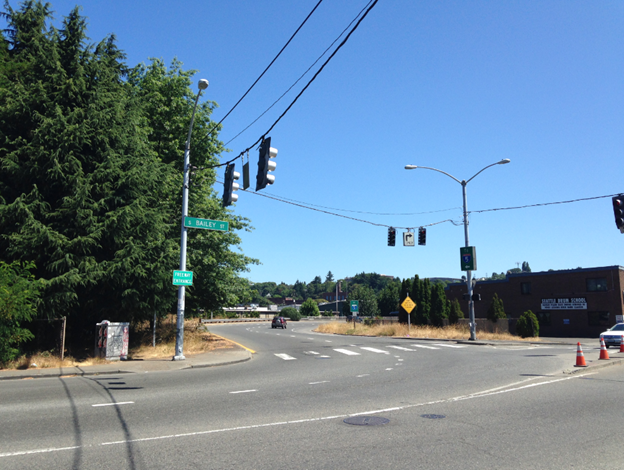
182	278
193	222
355	306
468	258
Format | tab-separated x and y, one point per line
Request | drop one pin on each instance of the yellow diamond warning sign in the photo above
408	304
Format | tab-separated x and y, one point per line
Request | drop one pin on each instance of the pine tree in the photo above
439	307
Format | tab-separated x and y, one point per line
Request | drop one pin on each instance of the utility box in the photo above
111	340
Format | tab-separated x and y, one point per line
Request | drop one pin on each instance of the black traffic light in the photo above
618	210
391	236
265	164
422	236
229	186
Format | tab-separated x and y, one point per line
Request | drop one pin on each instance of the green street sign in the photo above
193	222
182	278
468	258
355	306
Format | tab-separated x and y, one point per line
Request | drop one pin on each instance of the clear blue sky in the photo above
453	85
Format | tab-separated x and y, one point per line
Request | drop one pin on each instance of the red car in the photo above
278	322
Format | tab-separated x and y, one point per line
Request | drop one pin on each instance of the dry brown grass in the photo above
400	330
196	341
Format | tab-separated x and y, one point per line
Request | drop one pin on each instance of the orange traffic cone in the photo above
622	344
580	359
603	350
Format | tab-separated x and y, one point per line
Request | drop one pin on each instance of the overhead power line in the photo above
302	75
344	41
312	207
268	66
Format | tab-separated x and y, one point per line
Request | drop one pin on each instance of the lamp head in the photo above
503	161
202	84
410	167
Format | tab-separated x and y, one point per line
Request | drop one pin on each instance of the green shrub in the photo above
309	309
496	310
527	325
290	312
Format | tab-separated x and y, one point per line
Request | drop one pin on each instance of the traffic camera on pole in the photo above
391	236
266	164
618	211
229	186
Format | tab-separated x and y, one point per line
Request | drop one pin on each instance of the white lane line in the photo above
324	356
311	339
244	391
312	353
327	341
423	346
321	382
401	348
400	360
378	351
449	345
286	357
298	421
363	375
347	352
292	336
389	368
114	404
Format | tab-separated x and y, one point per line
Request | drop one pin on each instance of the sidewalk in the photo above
219	357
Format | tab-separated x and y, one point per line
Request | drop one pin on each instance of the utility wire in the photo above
302	75
313	208
344	41
268	67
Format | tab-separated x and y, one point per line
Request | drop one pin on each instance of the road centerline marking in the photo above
114	404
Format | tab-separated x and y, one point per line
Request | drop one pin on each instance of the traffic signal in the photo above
422	236
618	211
230	186
391	236
265	164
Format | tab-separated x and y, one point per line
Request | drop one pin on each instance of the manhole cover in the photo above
433	416
366	421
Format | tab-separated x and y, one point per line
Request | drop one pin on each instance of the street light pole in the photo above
464	183
179	356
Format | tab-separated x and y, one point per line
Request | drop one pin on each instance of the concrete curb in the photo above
595	365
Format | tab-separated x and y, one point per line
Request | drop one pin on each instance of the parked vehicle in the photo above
613	335
278	322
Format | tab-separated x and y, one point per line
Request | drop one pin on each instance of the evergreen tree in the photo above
455	312
525	267
496	309
439	307
388	299
90	177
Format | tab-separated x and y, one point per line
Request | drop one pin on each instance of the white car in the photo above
613	335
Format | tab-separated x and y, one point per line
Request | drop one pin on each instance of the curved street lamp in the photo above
473	326
179	356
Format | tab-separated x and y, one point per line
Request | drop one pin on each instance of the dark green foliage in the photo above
525	267
388	298
439	307
527	325
309	308
91	175
19	293
290	312
496	309
455	312
367	301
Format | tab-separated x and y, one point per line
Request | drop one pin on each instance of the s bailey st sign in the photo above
194	222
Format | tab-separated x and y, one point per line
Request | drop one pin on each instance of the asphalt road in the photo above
473	407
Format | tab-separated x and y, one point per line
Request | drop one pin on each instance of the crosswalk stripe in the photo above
313	353
401	348
286	357
380	351
347	352
423	346
449	345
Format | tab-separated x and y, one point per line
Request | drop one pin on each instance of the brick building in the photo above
571	303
